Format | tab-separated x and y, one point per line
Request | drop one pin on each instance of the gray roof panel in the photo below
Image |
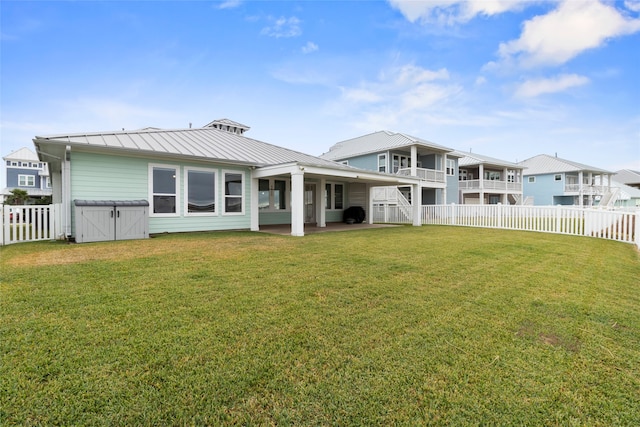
543	164
377	142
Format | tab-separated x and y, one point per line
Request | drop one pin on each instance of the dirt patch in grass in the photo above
532	331
223	248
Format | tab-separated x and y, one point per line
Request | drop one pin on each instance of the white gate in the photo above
30	223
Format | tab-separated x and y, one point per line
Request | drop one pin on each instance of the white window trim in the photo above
185	204
151	194
531	179
223	194
26	178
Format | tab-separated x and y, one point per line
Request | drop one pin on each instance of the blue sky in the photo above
509	79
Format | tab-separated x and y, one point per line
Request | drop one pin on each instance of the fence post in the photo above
453	214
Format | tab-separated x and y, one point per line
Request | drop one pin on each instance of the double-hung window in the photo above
26	181
164	183
200	187
451	167
334	196
382	163
233	192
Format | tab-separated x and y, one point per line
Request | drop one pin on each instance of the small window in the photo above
382	163
272	194
26	181
201	191
532	179
451	167
164	189
557	177
334	196
233	192
338	194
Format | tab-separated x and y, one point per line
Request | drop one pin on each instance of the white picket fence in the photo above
30	223
623	226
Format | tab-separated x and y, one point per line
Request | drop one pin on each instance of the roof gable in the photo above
22	154
544	164
377	142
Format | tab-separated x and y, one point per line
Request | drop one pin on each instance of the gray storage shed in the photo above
102	220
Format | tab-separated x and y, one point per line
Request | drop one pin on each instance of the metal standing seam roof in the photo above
202	143
377	142
545	164
472	159
628	176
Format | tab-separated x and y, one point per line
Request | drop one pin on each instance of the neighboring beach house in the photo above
550	180
486	180
628	177
400	154
26	172
200	179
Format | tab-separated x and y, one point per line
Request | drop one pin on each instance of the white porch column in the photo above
369	213
255	212
417	205
297	203
481	183
580	188
414	160
66	193
321	210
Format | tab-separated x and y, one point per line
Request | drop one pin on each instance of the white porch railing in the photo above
488	185
430	175
30	223
613	225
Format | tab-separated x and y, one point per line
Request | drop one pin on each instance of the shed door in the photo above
97	224
131	222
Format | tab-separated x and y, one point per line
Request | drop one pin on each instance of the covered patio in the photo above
285	229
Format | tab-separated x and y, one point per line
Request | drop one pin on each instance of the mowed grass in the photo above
395	326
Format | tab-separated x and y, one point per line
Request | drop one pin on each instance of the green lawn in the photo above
396	326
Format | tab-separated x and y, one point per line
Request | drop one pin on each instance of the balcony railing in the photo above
488	185
430	175
586	189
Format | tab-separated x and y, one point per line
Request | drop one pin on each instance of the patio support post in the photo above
417	205
481	183
255	215
297	203
580	189
369	213
320	198
414	160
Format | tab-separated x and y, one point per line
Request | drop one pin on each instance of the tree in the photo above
17	197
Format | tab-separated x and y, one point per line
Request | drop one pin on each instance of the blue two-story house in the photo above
26	172
400	154
550	180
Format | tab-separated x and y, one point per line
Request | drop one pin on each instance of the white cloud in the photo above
309	47
229	4
535	87
633	5
449	12
283	27
398	96
564	33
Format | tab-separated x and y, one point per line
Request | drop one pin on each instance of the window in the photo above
382	163
492	176
337	201
532	179
451	167
557	177
233	192
272	194
48	183
400	162
200	185
164	189
26	181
